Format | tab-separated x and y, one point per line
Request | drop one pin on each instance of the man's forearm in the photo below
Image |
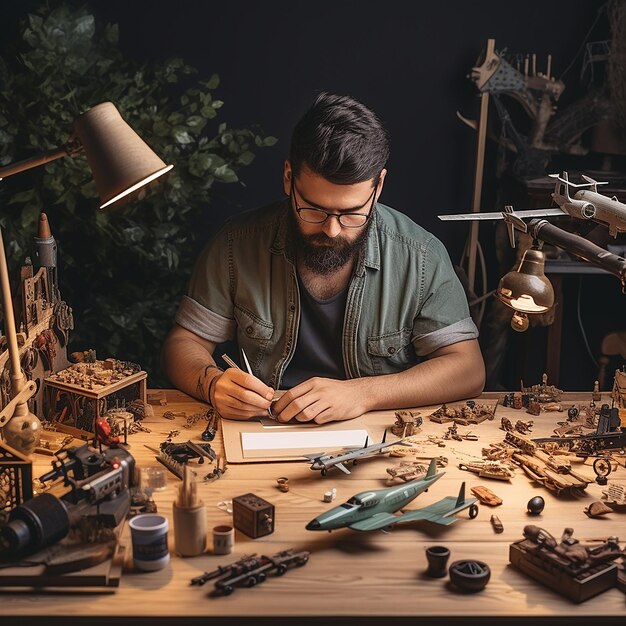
451	376
189	366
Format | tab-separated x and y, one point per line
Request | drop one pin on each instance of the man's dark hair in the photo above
340	139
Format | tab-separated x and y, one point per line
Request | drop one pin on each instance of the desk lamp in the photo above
527	290
121	163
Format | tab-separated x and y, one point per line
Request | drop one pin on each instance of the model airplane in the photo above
587	204
323	462
373	510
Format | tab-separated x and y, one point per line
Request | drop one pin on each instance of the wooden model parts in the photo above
95	375
540	471
543	391
618	393
523	427
615	495
469	413
597	509
407	423
552	406
506	424
576	571
534	407
486	496
497	470
569	553
412	470
496	524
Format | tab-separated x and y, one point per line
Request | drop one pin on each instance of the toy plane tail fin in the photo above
461	499
432	469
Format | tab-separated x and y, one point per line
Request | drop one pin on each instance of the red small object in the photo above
103	432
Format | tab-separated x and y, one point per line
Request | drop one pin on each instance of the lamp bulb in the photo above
519	322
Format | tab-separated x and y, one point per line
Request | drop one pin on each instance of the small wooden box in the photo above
579	588
253	516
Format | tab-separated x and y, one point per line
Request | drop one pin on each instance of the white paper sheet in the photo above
294	443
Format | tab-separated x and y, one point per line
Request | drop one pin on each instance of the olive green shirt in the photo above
404	299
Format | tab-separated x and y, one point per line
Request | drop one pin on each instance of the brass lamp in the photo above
526	289
121	163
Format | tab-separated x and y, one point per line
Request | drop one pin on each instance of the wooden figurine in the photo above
524	427
506	424
596	396
407	423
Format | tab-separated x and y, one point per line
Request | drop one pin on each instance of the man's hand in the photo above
321	400
240	396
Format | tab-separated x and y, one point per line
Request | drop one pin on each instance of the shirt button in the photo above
391	350
249	330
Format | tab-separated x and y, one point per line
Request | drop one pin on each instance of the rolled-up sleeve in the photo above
207	309
443	318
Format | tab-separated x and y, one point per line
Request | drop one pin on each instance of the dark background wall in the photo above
408	61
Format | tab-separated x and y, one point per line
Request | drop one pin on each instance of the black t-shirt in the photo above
318	348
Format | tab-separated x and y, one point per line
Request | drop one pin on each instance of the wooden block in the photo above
157	397
253	516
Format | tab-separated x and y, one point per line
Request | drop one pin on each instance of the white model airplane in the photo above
323	462
587	204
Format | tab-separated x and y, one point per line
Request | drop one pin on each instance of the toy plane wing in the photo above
498	215
442	512
342	467
377	521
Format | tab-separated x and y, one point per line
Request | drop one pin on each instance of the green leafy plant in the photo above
123	272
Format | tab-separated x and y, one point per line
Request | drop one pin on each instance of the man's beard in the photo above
325	255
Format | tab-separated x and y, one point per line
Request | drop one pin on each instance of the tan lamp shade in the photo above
527	289
120	161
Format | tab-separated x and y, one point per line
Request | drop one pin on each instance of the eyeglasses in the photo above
319	216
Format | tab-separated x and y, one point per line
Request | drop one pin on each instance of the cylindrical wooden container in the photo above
190	530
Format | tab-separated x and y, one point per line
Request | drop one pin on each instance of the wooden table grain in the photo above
351	577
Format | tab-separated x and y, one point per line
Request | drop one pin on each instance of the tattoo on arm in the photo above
201	383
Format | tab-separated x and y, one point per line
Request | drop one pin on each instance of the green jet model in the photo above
373	510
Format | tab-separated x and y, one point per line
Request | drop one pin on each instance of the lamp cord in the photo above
580	321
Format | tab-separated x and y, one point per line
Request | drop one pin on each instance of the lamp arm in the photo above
26	393
9	321
71	148
577	245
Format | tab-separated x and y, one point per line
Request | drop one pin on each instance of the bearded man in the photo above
344	302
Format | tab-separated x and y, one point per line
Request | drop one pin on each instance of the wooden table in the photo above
351	577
